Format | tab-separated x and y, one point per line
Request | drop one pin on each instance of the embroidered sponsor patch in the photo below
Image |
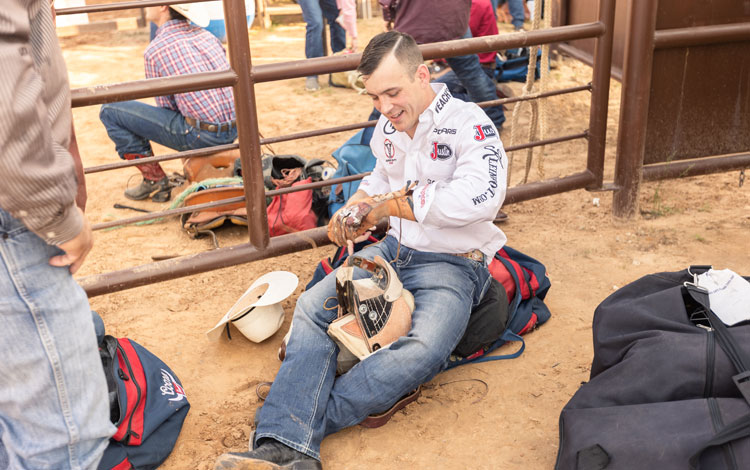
494	158
388	128
444	130
482	132
441	151
423	196
444	98
390	151
170	387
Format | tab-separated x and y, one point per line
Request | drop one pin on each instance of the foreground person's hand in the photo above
76	249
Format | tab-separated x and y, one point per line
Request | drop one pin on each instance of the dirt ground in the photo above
496	415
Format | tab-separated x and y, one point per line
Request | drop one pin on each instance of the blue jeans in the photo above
515	8
479	86
54	409
314	12
132	126
454	84
307	402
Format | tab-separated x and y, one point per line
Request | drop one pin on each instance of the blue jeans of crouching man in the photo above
133	125
307	402
54	409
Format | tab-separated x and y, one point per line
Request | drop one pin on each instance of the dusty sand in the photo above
459	422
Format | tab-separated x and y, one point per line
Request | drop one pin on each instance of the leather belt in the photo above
475	255
209	126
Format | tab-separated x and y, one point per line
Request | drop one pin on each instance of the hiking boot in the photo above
160	189
269	455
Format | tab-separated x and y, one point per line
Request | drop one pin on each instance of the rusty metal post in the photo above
600	93
636	88
247	121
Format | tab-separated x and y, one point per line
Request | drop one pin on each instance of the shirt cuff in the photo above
422	198
64	227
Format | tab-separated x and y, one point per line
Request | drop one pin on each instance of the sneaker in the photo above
311	84
270	455
149	187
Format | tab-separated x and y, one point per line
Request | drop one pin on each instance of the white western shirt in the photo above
458	159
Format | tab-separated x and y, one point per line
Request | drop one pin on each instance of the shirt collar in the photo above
171	25
437	108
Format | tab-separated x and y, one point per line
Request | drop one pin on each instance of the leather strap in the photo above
210	126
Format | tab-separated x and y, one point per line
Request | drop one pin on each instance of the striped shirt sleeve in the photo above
38	175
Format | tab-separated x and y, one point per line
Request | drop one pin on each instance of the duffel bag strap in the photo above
741	427
735	430
727	342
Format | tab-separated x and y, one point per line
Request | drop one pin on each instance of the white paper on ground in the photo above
728	293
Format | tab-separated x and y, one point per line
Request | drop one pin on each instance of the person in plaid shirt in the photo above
182	121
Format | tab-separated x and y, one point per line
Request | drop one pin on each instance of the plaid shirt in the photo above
181	48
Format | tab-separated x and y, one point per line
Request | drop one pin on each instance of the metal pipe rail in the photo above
695	167
307	134
101	94
159	271
118	6
701	35
301	187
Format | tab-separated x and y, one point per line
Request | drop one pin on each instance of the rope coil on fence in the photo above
538	125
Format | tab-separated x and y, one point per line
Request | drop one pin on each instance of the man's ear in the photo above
423	74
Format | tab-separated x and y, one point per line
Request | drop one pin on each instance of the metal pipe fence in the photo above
243	76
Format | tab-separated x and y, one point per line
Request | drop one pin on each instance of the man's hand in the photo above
347	223
355	221
75	249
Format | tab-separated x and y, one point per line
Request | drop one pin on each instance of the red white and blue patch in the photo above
482	132
441	151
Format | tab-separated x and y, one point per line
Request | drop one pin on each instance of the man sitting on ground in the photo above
183	121
439	241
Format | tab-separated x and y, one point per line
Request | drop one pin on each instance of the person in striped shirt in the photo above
182	121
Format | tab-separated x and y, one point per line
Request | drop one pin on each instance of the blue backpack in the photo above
354	157
515	68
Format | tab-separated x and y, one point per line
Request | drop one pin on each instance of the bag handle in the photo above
741	427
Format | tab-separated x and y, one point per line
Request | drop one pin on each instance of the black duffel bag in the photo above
669	386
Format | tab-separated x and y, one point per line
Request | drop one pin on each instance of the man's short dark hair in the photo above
176	15
403	46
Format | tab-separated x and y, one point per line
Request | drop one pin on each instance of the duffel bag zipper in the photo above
727	450
130	432
708	390
713	405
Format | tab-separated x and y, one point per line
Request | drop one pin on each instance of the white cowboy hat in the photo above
258	314
198	13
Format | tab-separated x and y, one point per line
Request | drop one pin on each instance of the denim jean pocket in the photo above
192	140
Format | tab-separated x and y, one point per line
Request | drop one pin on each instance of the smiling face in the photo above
398	94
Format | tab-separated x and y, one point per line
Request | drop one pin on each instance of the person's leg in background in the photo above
338	33
133	125
495	4
312	13
515	7
477	83
54	407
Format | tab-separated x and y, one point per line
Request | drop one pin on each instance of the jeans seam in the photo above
54	361
308	441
